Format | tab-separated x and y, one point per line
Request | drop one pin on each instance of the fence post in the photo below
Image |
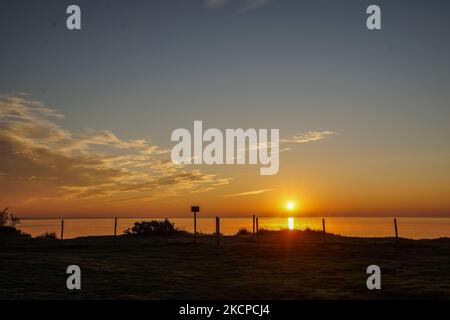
257	228
396	230
324	230
62	229
253	227
115	228
218	230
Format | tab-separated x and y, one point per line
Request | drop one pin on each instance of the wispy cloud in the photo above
308	137
298	138
39	158
248	193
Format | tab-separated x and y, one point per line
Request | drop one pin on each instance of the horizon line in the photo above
232	217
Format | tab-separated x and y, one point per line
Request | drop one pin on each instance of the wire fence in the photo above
413	228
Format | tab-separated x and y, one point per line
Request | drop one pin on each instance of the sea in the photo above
407	227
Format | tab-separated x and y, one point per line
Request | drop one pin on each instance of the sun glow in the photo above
290	205
291	223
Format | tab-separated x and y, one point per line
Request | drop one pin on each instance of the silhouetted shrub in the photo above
153	228
3	217
8	224
8	219
7	231
48	235
243	232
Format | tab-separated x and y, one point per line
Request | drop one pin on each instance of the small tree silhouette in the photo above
3	217
8	218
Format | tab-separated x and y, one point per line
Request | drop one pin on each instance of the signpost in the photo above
195	210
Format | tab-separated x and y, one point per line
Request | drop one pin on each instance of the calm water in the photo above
413	228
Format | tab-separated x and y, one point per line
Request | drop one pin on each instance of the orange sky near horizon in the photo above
50	171
318	188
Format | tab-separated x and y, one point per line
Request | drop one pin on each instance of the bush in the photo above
8	219
152	228
8	224
11	232
243	232
7	230
48	235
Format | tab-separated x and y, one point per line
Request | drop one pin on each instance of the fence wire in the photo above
413	228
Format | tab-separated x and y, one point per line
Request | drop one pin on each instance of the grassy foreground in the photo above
281	265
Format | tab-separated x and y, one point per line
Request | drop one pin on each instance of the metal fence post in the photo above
218	230
253	227
257	228
324	230
115	227
396	230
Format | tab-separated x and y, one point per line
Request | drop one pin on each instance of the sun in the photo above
290	205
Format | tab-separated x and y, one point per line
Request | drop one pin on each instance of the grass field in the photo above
281	265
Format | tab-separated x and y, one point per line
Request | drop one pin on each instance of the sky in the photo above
86	116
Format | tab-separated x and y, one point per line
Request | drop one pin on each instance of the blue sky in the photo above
141	70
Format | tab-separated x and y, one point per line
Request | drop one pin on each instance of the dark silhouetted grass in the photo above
281	265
